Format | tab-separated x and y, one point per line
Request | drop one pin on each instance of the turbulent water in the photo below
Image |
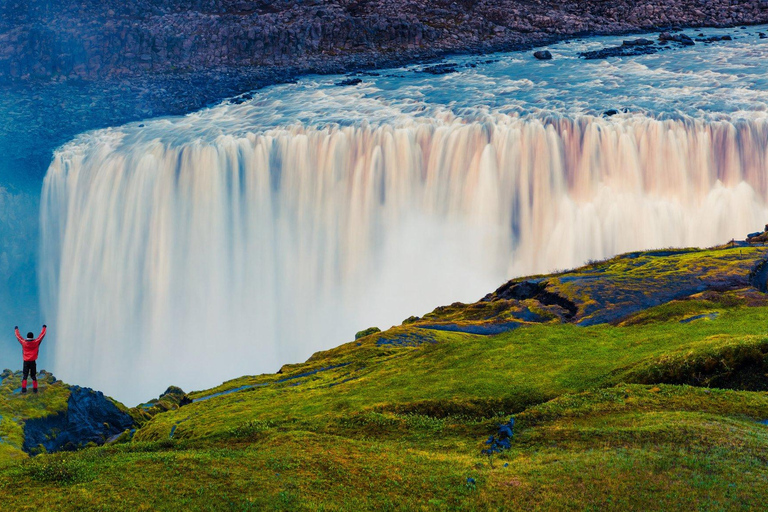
227	242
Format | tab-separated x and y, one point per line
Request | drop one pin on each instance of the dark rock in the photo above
758	276
677	38
524	290
172	398
761	35
543	55
637	42
172	391
713	39
238	100
611	112
625	50
349	81
90	417
89	39
440	69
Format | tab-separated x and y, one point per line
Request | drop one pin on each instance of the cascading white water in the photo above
192	250
195	262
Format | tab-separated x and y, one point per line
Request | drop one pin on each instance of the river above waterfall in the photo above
188	250
722	80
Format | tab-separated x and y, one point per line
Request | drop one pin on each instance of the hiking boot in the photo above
34	390
23	390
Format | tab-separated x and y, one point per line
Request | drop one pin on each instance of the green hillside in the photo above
638	383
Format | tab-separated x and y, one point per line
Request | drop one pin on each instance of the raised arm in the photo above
18	335
42	334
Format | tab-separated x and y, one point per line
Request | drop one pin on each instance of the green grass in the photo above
52	398
605	418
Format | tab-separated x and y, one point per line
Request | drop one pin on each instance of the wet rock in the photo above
627	49
543	55
440	69
677	38
713	39
637	42
349	81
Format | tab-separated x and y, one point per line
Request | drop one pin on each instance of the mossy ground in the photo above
606	417
15	407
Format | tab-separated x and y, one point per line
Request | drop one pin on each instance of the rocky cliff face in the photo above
48	39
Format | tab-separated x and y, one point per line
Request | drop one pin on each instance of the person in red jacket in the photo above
30	347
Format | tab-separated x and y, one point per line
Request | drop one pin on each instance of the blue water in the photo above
723	80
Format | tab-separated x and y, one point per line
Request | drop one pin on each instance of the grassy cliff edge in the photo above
634	383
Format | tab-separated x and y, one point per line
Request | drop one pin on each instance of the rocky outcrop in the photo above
90	417
628	48
108	38
613	291
59	417
171	399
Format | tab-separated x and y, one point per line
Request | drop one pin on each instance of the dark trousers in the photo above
30	367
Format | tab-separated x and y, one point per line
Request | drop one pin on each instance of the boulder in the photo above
171	399
440	69
543	55
349	81
90	417
713	39
625	50
677	38
637	42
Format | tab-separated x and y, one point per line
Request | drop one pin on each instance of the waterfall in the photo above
190	260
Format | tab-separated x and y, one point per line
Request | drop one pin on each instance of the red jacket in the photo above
31	347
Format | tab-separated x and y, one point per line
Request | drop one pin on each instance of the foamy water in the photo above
230	241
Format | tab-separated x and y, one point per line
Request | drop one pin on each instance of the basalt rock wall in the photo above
61	39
